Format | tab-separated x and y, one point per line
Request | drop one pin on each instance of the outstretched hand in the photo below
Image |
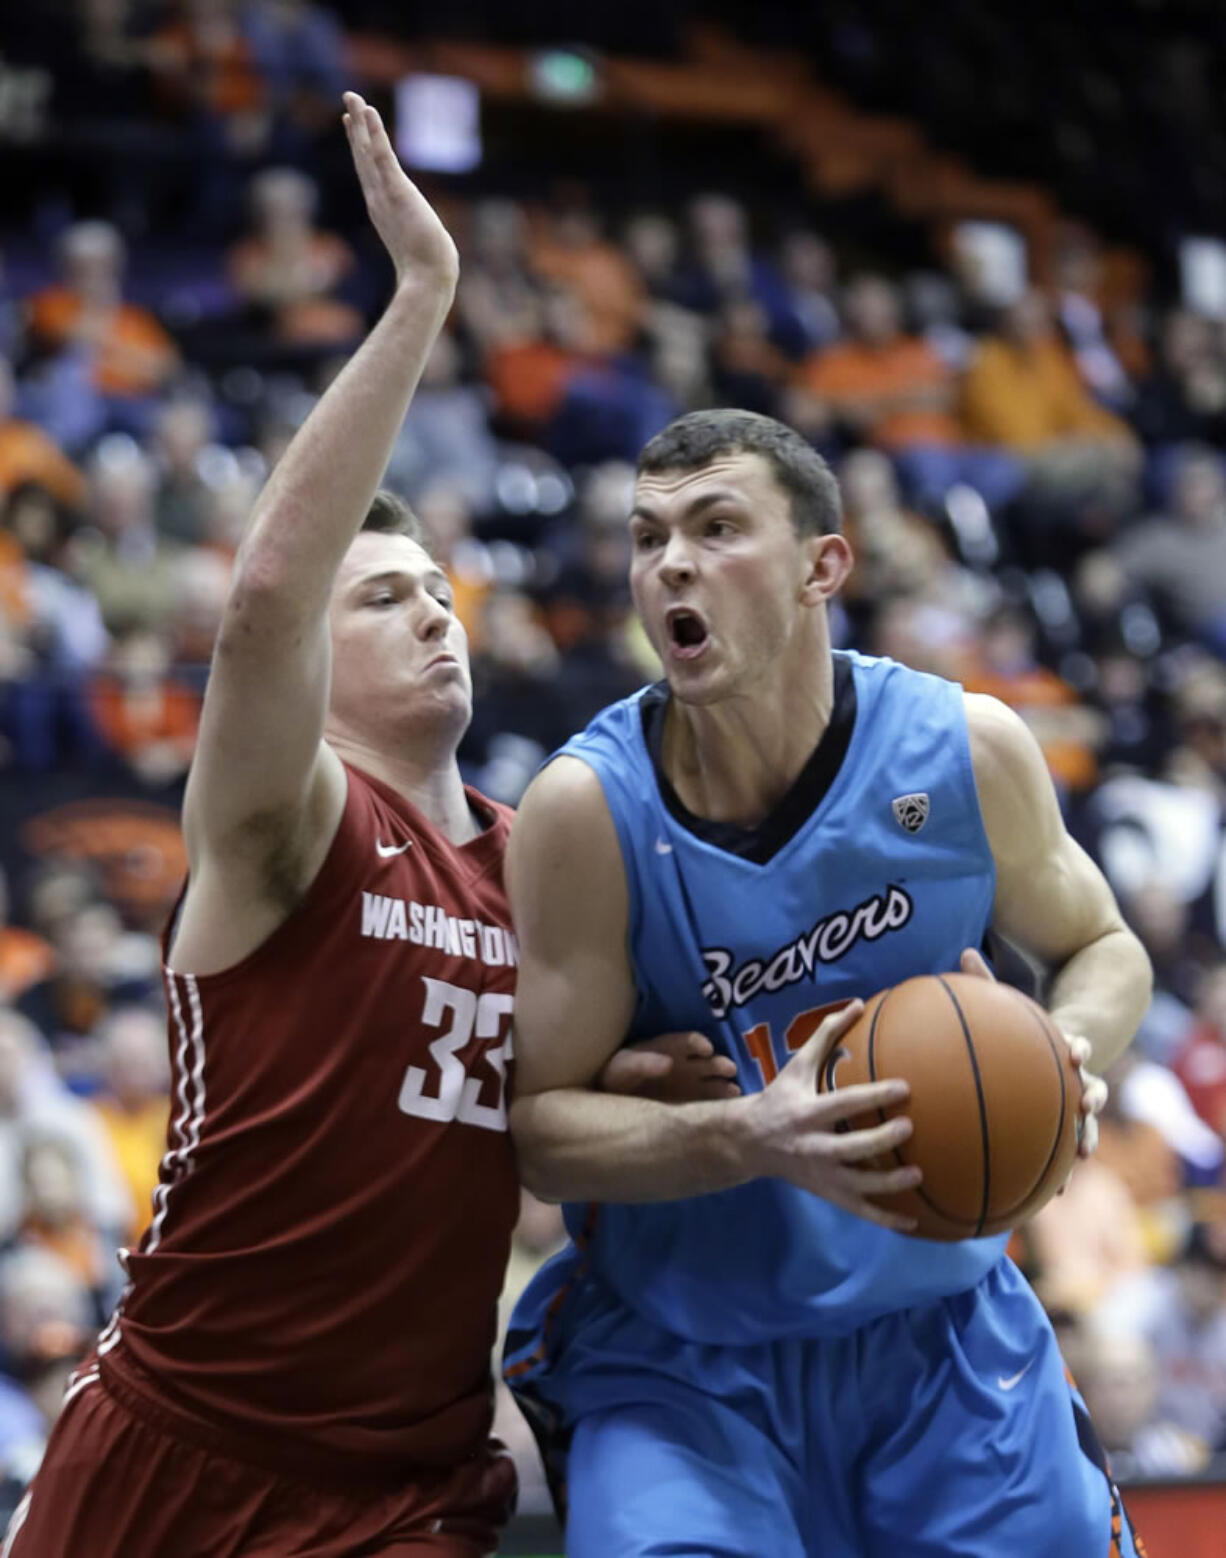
420	246
1093	1089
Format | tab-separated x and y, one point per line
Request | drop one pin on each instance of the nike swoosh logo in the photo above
662	848
1016	1379
386	851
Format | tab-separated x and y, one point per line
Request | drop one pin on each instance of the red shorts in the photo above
116	1482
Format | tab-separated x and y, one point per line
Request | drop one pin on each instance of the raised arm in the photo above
1052	901
574	1004
263	785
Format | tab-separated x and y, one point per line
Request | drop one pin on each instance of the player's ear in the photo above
829	560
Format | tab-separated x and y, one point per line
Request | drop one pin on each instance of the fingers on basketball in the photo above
995	1104
812	1053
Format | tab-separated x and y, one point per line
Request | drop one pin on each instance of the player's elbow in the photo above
264	604
264	568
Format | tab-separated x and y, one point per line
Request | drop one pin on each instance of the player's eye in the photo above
644	540
720	527
383	598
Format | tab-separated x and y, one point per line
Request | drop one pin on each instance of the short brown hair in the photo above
390	515
699	437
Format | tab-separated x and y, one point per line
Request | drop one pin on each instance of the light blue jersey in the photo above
756	1372
890	875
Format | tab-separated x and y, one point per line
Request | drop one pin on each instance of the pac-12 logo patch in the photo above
911	811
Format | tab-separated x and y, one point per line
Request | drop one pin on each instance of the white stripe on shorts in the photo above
75	1390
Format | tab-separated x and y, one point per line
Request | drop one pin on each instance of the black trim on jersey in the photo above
797	806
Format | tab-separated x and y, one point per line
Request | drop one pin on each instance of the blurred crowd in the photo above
1035	487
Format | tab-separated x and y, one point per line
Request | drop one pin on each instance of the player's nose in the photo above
677	563
433	618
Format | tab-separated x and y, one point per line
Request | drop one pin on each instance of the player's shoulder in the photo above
1011	777
998	736
563	846
566	793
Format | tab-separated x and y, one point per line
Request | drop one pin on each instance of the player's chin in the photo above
448	703
703	679
697	686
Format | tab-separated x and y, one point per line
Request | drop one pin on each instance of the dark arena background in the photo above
975	254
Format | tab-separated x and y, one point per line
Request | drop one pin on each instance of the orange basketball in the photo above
995	1099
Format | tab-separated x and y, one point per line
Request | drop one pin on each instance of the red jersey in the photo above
334	1210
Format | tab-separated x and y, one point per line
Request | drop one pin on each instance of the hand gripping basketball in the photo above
803	1136
1094	1090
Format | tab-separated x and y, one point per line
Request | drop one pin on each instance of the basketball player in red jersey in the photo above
300	1363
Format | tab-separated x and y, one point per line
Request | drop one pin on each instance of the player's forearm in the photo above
1102	993
576	1145
321	489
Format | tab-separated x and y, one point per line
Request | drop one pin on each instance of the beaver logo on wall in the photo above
136	847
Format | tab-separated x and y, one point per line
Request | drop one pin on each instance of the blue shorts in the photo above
948	1431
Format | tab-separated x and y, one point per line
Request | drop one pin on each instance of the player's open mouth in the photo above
687	632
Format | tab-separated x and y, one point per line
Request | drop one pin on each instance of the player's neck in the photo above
430	781
735	760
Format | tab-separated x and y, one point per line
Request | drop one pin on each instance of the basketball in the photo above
995	1099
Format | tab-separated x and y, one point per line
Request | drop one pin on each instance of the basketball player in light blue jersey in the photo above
740	1354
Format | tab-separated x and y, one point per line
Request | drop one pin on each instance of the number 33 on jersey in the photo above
448	1090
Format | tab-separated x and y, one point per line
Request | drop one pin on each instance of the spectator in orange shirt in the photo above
893	390
143	712
27	455
541	351
128	353
1005	666
26	958
288	271
571	253
203	65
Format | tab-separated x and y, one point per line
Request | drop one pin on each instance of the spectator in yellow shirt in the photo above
1022	390
134	1105
1022	393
